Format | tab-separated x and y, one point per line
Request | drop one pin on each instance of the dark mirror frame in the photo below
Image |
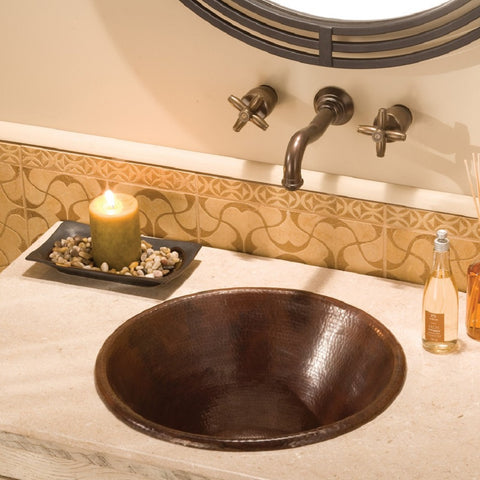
345	44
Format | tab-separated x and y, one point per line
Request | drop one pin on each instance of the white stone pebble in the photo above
76	252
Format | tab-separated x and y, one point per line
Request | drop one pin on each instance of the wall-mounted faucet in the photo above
390	125
333	106
254	106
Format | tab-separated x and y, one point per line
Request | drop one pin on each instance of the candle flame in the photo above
109	199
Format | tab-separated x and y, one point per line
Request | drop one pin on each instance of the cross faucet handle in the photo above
390	125
254	106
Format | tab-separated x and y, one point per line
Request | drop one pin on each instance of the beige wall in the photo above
151	71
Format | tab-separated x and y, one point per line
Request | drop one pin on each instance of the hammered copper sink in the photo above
249	369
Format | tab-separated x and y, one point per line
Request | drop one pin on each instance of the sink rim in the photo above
138	422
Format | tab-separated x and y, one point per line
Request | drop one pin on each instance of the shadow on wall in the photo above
191	70
444	145
135	27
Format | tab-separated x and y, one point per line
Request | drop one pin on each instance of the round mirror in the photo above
367	10
392	35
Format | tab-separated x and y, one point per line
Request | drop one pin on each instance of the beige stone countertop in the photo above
53	425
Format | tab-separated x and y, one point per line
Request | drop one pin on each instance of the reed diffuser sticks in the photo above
473	175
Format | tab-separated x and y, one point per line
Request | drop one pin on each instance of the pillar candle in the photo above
115	229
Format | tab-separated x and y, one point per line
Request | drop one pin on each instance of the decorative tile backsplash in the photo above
39	186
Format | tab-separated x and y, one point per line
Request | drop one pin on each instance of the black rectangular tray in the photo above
186	250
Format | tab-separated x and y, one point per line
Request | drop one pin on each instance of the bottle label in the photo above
434	327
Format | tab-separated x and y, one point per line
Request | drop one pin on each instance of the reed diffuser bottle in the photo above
473	272
440	301
473	299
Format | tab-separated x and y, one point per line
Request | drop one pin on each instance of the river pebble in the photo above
76	252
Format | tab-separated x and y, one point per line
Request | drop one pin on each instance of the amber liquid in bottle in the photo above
440	304
473	299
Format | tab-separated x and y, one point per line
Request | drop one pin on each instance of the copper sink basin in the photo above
249	369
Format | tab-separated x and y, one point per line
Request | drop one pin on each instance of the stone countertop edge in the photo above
54	425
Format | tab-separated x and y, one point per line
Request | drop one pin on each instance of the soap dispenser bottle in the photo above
440	301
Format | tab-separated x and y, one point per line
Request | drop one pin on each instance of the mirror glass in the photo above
355	10
347	33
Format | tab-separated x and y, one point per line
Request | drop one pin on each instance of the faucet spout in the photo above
292	170
332	106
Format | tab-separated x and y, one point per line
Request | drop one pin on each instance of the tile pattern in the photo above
14	238
39	186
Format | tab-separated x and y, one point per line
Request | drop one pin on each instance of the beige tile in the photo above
166	214
58	161
52	196
129	173
225	189
300	237
166	179
10	153
12	240
318	250
334	243
409	255
312	202
463	253
315	228
266	231
240	191
272	196
12	188
13	227
242	226
429	222
403	217
111	170
360	210
360	247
